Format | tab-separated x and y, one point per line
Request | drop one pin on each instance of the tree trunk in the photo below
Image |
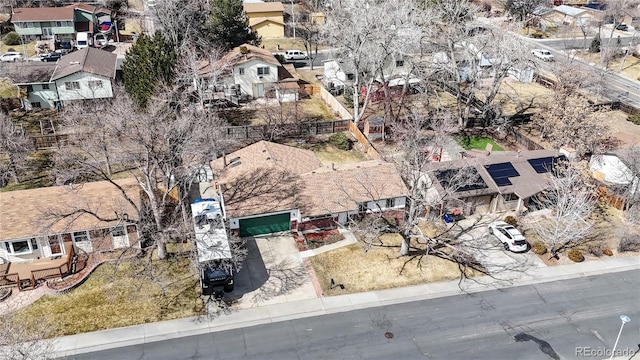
404	249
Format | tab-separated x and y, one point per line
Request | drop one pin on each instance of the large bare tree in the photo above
14	148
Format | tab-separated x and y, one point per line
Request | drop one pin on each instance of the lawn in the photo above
379	268
257	113
127	296
31	48
329	154
478	143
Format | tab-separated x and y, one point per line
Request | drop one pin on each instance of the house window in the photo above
263	71
30	24
350	77
72	85
80	236
118	231
510	197
36	104
60	23
34	244
241	71
95	84
25	246
29	88
390	203
399	63
362	207
45	86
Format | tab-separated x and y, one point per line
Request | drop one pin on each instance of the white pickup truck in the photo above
545	55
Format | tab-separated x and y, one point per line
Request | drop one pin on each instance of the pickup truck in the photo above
544	55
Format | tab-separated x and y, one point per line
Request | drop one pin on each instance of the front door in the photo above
258	90
119	237
47	33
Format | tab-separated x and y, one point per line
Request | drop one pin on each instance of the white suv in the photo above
509	236
545	55
11	56
290	55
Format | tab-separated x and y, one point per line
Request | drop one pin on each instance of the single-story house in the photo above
611	169
501	181
37	91
265	18
250	71
32	228
568	15
268	187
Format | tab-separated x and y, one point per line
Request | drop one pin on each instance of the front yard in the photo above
122	296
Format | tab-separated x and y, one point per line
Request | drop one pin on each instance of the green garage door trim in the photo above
265	224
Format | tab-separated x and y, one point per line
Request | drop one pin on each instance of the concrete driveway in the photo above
273	273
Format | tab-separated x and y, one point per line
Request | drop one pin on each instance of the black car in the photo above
622	27
50	57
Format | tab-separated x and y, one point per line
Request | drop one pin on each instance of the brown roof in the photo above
25	213
272	177
333	189
262	7
42	14
29	73
287	72
235	57
89	8
259	20
90	60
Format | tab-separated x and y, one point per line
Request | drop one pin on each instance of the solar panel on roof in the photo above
546	164
461	181
500	173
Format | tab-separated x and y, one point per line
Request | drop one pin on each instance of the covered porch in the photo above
26	275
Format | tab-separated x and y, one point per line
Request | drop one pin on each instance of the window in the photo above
29	88
18	247
362	207
510	197
390	203
118	231
263	71
241	71
63	23
72	85
95	84
399	63
45	86
34	243
80	236
36	104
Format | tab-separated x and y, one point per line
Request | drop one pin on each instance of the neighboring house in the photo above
568	15
266	18
502	181
28	234
85	74
613	171
37	91
251	72
59	22
338	74
269	187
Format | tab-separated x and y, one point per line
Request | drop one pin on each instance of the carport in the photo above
265	224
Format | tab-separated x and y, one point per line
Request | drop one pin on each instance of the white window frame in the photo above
390	203
510	197
8	246
240	71
263	70
85	235
95	84
72	85
45	86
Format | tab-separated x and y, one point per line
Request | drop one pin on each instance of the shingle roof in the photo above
236	57
22	211
262	7
90	60
89	8
29	73
42	14
569	10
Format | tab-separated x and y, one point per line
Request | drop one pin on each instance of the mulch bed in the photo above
315	240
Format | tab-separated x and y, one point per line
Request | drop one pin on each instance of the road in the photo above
556	320
581	43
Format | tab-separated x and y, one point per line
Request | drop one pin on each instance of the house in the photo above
265	18
37	243
85	74
37	91
568	15
250	71
268	187
338	74
502	181
611	169
59	22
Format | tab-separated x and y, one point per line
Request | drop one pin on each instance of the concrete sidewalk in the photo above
146	333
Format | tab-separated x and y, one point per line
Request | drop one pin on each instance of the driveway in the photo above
273	273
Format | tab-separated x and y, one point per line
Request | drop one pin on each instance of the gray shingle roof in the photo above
90	60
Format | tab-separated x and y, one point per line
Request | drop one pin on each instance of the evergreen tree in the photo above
595	44
151	60
229	26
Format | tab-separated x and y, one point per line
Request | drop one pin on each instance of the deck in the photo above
26	275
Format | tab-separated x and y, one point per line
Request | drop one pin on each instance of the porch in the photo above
26	275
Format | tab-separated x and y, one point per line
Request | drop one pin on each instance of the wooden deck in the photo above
26	275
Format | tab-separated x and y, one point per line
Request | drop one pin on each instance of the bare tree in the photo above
14	148
25	338
569	202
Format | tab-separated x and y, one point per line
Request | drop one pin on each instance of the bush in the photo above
607	252
340	140
634	118
12	38
575	255
596	249
539	248
511	220
629	242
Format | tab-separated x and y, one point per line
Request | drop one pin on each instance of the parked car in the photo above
291	55
622	27
11	56
545	55
65	46
100	40
510	237
50	57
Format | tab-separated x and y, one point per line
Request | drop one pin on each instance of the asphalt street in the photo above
557	320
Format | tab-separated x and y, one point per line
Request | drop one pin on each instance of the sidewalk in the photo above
146	333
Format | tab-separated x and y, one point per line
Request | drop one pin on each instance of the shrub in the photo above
511	220
536	35
12	38
596	249
539	248
340	140
575	255
634	118
607	252
629	242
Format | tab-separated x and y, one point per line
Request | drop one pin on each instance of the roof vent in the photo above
74	62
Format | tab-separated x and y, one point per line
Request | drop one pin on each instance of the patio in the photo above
25	275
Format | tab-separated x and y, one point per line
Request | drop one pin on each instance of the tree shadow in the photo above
544	346
283	277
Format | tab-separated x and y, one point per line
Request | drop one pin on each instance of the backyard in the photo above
270	111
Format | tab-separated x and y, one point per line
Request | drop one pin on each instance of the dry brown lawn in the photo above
629	66
379	268
330	154
271	44
515	96
311	109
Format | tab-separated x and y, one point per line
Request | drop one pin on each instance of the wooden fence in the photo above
362	139
286	130
526	141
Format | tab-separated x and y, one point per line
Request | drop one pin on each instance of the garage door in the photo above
264	224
